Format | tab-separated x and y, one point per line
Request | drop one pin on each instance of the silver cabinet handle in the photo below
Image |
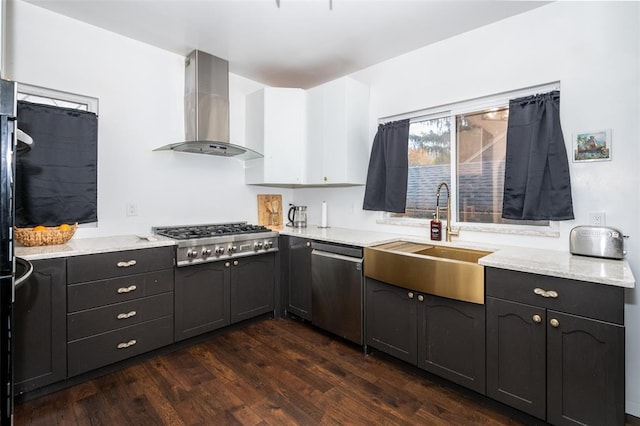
420	298
235	263
127	289
308	243
537	319
126	264
227	264
554	323
124	345
126	315
410	295
545	293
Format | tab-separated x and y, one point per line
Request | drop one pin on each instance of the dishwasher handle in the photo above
336	256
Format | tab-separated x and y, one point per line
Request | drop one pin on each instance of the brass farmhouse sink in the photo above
443	271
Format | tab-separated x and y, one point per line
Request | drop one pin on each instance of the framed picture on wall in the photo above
592	146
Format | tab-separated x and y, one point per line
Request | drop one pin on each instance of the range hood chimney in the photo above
206	109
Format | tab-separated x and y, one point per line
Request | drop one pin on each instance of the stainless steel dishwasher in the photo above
337	290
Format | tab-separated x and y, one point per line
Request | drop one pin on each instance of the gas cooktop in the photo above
212	242
189	232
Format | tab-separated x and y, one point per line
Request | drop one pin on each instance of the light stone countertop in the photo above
538	261
562	264
80	246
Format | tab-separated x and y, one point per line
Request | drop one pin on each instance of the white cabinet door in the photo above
314	152
275	127
337	143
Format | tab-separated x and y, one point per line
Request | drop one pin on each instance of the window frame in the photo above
27	90
452	111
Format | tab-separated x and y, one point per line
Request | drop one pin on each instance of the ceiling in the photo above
290	43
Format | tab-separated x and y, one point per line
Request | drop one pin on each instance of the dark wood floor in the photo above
271	372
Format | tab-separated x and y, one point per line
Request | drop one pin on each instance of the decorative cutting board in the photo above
270	211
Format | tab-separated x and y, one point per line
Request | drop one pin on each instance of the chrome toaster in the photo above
597	241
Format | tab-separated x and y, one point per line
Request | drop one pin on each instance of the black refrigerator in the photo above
7	261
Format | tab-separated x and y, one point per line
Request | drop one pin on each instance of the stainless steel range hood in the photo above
206	109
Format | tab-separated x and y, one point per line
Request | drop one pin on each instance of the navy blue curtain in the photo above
536	179
386	188
56	181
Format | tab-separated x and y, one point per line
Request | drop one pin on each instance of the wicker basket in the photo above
51	236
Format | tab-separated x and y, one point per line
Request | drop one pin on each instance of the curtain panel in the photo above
56	181
537	185
386	187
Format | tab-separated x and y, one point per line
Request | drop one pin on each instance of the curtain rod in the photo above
461	106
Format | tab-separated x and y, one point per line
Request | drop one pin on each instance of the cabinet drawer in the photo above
105	292
103	349
116	264
598	301
99	320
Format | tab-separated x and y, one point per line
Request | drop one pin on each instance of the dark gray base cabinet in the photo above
391	320
298	276
440	335
565	368
202	299
39	331
451	340
213	295
516	356
252	286
116	345
119	305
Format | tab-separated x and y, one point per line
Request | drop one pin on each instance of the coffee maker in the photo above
297	216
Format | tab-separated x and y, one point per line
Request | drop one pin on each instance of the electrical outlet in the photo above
132	209
597	219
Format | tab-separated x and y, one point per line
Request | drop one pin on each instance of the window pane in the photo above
481	140
429	164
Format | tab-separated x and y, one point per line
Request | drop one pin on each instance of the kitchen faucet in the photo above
450	232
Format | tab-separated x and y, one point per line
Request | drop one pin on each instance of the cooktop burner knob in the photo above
232	249
192	254
206	252
219	251
257	246
268	245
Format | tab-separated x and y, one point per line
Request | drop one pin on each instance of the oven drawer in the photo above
116	264
112	317
103	349
105	292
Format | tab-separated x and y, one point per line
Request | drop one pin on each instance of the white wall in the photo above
593	49
140	92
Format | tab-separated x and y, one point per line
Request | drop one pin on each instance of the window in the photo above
464	145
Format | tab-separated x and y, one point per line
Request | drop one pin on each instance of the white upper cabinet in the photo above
337	149
275	127
317	137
